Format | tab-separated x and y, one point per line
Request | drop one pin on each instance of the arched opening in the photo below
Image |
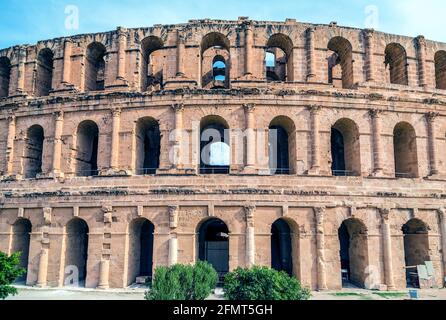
148	146
152	63
405	151
76	253
140	255
416	249
214	146
219	72
5	76
215	52
33	152
213	245
340	63
21	231
281	247
345	149
396	62
95	67
440	70
87	149
279	58
353	252
282	144
44	77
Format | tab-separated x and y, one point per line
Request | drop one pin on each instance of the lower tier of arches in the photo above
325	247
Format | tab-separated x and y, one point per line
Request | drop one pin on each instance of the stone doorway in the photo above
140	256
416	249
213	245
353	253
281	247
21	231
76	253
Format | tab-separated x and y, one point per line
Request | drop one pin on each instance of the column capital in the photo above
384	213
11	117
173	216
47	212
369	32
421	40
249	214
58	115
375	113
314	108
121	31
442	213
249	107
319	214
115	112
177	107
311	29
431	116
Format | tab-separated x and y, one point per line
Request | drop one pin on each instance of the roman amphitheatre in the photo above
318	150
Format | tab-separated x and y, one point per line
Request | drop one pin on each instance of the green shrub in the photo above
9	271
183	282
262	283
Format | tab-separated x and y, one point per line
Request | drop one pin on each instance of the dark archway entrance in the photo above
353	252
281	247
416	249
141	235
76	252
148	146
21	230
213	245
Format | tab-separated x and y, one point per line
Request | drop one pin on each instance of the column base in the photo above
316	171
250	170
118	85
67	88
379	173
6	178
176	171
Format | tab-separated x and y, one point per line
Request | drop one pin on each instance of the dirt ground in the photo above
27	293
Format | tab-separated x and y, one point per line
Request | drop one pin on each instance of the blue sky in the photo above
27	21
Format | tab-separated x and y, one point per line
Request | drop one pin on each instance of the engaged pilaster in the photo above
57	143
10	146
173	240
375	115
21	58
421	50
430	119
369	51
66	78
250	139
387	247
315	140
249	42
320	245
250	236
311	55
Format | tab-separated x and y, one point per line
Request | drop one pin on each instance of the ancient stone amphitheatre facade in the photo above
102	177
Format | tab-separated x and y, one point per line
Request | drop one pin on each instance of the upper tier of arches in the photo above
222	54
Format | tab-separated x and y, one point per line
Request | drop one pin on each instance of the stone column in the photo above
21	70
173	241
57	142
250	136
421	50
43	268
430	119
181	48
250	236
249	42
315	140
104	272
66	77
442	213
387	247
178	109
10	145
311	55
114	152
320	245
122	44
369	51
375	115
